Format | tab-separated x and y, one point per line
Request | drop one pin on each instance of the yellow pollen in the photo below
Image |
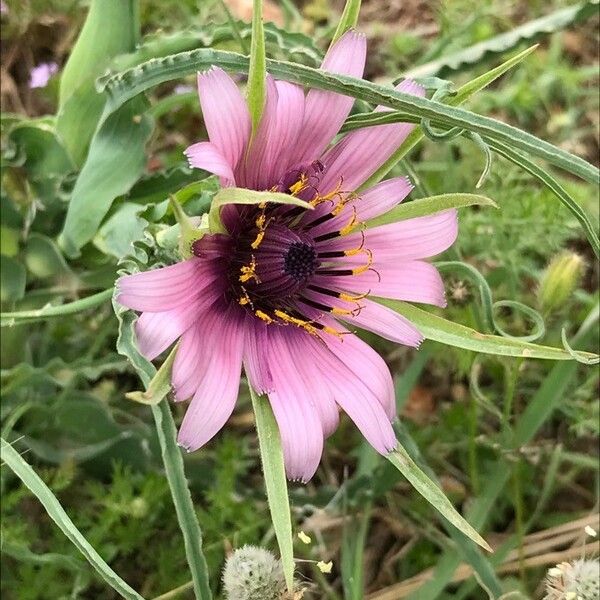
366	267
351	298
341	311
351	225
249	272
244	300
263	316
299	185
259	238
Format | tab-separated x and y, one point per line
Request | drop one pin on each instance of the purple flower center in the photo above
300	261
277	257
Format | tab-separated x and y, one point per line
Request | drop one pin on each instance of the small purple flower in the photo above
270	294
40	75
3	8
183	88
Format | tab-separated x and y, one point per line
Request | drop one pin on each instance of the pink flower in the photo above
271	293
40	76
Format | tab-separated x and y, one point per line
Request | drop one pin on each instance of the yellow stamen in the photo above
259	238
341	311
249	272
299	185
351	224
366	267
351	298
263	316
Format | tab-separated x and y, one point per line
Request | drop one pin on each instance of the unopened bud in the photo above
559	280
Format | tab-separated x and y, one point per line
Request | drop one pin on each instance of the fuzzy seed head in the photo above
251	573
577	580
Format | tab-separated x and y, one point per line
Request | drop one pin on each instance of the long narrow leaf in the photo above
432	493
348	20
271	455
130	83
441	330
257	69
463	93
171	455
56	512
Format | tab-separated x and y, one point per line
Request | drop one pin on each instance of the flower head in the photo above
279	290
577	580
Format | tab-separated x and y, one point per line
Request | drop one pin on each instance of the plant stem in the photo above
39	314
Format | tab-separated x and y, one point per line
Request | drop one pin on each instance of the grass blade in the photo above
56	512
275	481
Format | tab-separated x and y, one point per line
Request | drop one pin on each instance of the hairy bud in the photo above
559	280
251	573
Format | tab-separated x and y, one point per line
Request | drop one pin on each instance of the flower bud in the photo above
577	580
559	280
251	573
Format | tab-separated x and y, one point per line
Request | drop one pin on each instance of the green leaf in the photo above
428	206
160	384
458	61
441	330
43	258
271	455
12	279
348	20
257	71
244	196
432	493
171	456
111	28
463	93
115	161
8	319
56	512
129	84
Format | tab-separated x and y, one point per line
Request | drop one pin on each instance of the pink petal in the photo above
297	418
156	331
256	359
289	116
360	153
325	111
351	373
225	114
312	377
371	203
205	155
253	171
386	323
217	392
193	354
411	281
165	288
421	237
